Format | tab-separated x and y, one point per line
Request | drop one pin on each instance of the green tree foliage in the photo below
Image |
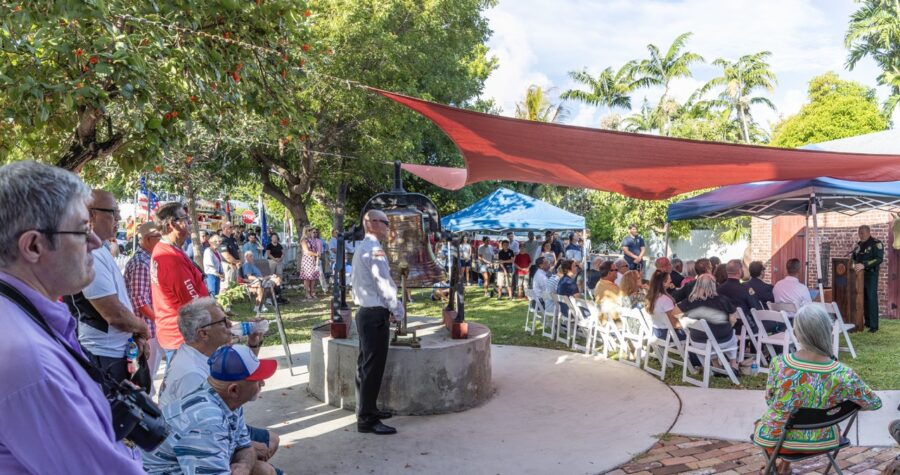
660	69
537	106
739	80
610	88
836	109
874	31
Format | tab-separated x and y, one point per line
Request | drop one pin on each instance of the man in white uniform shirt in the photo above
375	293
790	289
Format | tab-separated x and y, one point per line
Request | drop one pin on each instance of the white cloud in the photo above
538	42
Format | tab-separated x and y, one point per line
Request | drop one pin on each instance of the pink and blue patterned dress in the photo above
795	383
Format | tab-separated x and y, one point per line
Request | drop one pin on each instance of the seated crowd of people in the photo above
54	254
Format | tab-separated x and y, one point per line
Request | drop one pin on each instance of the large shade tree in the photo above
836	109
738	83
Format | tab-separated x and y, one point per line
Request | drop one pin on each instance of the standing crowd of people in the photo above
68	308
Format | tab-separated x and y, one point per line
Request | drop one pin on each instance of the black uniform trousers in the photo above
870	298
374	331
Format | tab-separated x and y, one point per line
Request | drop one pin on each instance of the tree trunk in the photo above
340	207
84	146
744	129
192	212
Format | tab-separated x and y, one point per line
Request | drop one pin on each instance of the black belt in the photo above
373	308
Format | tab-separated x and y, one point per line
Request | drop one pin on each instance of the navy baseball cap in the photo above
238	363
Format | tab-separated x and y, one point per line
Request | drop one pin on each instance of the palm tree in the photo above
643	121
660	70
536	106
610	88
740	79
874	31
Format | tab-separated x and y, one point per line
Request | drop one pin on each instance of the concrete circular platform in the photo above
443	375
552	412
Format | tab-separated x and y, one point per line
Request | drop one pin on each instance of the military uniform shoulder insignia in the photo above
751	291
378	253
879	245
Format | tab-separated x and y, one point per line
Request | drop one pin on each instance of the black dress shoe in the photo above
376	428
873	330
383	414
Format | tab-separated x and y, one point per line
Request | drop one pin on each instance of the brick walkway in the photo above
679	454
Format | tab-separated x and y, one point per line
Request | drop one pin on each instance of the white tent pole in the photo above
585	249
806	242
666	249
812	198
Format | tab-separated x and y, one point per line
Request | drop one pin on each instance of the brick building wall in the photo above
837	234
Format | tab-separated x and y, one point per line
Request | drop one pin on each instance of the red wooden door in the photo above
788	242
893	261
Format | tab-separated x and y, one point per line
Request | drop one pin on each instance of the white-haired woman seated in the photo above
809	377
718	311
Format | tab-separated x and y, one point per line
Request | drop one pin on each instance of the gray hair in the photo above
215	239
812	327
34	196
704	288
194	315
689	270
618	262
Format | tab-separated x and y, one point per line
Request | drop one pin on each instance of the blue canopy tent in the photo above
802	197
506	210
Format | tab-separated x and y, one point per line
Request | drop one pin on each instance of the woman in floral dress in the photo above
309	262
809	377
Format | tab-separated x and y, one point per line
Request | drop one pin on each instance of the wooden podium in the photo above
847	288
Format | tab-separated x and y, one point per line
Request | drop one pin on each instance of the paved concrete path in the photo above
553	412
730	414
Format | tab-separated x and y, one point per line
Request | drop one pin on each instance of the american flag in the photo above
152	199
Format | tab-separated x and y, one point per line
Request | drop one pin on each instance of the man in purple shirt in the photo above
55	417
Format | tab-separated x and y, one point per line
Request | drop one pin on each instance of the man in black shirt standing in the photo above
231	254
868	255
633	247
505	276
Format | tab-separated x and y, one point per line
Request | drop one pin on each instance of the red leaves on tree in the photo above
94	60
79	53
285	122
307	13
305	47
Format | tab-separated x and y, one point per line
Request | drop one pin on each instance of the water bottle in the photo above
131	354
754	368
246	328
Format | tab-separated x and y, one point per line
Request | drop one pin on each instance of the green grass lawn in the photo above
877	362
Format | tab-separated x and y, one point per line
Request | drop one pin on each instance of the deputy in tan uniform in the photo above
375	292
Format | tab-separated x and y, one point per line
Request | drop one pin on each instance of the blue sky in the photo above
538	42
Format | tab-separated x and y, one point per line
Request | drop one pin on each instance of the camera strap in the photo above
16	297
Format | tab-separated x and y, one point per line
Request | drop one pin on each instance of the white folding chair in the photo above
661	348
583	322
535	308
785	307
563	319
604	342
706	351
746	334
548	322
634	335
839	327
785	338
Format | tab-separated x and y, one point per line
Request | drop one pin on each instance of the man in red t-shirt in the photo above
174	279
523	264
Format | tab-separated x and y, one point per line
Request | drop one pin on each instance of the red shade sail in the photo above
636	165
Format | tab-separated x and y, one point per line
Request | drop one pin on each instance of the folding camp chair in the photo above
603	340
784	339
839	328
806	418
706	351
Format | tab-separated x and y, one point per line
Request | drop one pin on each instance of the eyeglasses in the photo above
86	233
382	221
224	320
111	211
182	218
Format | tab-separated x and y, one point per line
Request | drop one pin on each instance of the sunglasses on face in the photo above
224	320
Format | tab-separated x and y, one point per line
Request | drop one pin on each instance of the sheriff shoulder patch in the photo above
879	245
378	253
